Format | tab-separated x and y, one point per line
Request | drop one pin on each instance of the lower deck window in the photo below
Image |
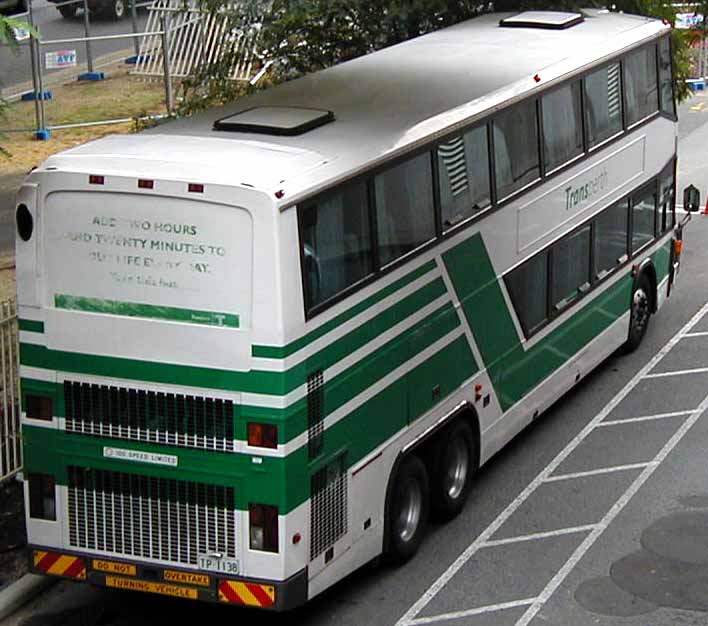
528	288
643	215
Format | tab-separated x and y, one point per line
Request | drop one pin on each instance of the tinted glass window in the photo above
336	240
562	125
405	214
611	238
640	88
666	200
668	104
528	288
603	104
464	176
643	210
571	267
516	148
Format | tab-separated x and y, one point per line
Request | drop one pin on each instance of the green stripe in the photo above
31	326
284	482
275	352
515	371
149	311
271	383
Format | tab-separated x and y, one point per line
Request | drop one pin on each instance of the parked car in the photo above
110	9
13	7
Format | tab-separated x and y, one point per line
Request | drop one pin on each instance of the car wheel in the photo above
68	11
407	510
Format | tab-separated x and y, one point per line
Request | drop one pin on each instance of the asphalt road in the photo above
596	514
16	68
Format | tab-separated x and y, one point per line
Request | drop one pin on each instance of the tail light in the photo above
263	523
42	497
39	407
262	435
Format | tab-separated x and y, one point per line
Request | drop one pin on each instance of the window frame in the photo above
657	82
496	203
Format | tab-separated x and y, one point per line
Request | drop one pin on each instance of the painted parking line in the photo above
644	418
596	472
410	617
697	370
560	532
492	608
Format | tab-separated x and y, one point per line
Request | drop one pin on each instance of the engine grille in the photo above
169	520
156	417
328	506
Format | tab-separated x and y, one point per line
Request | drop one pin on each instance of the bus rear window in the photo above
336	243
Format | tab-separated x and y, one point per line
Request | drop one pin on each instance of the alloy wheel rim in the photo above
456	475
410	511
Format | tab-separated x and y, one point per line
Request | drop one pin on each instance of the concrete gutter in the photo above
21	592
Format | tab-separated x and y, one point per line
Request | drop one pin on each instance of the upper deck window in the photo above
336	237
666	81
463	163
405	211
640	88
516	160
603	104
562	125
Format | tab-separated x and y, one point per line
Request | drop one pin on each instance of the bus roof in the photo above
389	102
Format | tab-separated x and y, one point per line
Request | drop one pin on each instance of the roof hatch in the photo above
275	120
556	20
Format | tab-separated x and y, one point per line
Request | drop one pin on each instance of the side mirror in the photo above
14	8
691	199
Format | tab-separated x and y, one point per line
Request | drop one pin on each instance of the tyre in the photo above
639	313
113	9
453	463
68	11
407	510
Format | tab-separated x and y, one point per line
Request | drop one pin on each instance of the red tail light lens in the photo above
195	188
96	180
263	435
146	184
263	527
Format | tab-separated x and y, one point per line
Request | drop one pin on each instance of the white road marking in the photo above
596	472
610	516
492	608
645	418
702	333
560	532
697	370
542	477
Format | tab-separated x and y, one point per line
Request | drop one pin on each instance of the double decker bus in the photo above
263	345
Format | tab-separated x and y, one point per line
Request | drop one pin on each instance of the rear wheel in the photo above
640	313
68	11
453	465
407	510
113	9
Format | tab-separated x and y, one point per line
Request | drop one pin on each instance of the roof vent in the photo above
555	20
273	120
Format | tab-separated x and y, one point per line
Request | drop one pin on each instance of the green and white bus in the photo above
263	345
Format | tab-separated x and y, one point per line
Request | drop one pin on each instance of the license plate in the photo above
212	563
131	584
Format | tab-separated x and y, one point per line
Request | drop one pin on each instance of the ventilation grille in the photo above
138	415
328	507
169	520
315	413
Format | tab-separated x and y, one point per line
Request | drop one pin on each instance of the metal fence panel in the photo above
10	436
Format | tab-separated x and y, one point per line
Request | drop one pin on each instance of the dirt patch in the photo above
13	539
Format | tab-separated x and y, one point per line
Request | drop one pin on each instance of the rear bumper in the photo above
175	582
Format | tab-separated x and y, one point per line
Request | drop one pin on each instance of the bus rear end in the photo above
152	460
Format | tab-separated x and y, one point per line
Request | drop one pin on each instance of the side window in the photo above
516	145
463	163
603	104
570	273
611	238
528	288
666	87
336	241
562	125
666	218
405	212
640	89
643	214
